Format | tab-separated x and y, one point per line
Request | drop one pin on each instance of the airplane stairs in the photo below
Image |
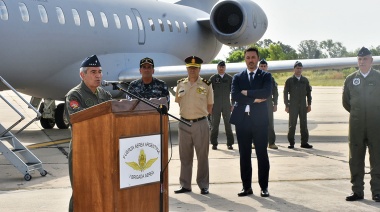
19	155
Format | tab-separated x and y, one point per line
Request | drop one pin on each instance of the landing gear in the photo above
60	117
46	123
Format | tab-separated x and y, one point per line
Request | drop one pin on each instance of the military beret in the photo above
222	63
298	63
363	52
146	60
193	61
263	61
91	61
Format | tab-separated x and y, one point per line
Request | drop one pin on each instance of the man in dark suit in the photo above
250	89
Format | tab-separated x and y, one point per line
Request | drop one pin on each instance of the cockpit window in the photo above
3	11
24	12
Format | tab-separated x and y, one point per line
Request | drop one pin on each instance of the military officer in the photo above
297	99
195	98
148	86
221	83
272	103
361	99
85	95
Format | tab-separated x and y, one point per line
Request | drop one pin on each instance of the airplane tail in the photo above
204	5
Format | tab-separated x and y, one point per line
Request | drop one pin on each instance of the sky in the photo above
354	23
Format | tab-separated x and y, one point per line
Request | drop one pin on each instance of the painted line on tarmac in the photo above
49	143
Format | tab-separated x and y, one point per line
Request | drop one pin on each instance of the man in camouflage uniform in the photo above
85	95
148	86
297	99
221	84
361	99
195	98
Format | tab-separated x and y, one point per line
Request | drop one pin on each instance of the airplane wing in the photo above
170	74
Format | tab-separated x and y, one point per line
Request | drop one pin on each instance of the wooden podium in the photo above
96	175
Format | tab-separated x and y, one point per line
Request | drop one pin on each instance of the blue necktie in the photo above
251	78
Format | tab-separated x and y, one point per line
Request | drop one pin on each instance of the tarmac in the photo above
315	179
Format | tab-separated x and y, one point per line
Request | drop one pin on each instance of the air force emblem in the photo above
356	81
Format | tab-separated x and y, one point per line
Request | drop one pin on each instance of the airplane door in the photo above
140	24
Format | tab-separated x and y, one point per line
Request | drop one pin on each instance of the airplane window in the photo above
185	26
129	21
161	25
90	18
61	17
170	25
76	17
24	12
3	11
151	24
104	19
117	21
139	23
43	14
177	25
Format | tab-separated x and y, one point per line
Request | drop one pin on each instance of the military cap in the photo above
298	63
222	63
91	61
263	61
193	61
363	52
146	60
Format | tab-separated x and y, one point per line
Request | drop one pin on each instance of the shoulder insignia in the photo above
180	80
206	81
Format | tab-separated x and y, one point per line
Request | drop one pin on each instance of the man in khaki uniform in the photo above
195	98
361	99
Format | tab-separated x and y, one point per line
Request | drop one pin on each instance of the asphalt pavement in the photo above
315	179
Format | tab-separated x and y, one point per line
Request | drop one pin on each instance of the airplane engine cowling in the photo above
238	23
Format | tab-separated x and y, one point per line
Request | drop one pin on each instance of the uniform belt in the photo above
193	120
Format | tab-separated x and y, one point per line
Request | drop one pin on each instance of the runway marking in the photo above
49	143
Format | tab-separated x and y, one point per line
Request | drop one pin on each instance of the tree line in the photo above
307	49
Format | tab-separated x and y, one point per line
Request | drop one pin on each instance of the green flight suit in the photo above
272	100
295	94
361	100
222	105
77	99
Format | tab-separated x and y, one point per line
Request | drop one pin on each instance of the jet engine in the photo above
238	23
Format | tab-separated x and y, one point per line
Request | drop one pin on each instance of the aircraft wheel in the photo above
44	173
27	177
60	117
46	123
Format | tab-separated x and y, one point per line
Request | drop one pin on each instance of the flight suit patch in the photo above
74	104
89	102
356	81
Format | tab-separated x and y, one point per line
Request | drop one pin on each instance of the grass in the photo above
318	78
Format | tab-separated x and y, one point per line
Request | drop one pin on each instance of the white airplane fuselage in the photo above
43	59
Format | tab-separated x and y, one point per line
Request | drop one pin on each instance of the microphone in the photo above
107	83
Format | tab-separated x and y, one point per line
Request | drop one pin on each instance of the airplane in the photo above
43	43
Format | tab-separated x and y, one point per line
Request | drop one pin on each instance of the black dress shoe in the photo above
376	197
354	197
264	193
214	147
182	190
204	191
230	147
291	146
245	192
307	146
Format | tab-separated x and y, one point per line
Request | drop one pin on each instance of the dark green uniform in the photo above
361	100
272	100
295	94
222	105
77	99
